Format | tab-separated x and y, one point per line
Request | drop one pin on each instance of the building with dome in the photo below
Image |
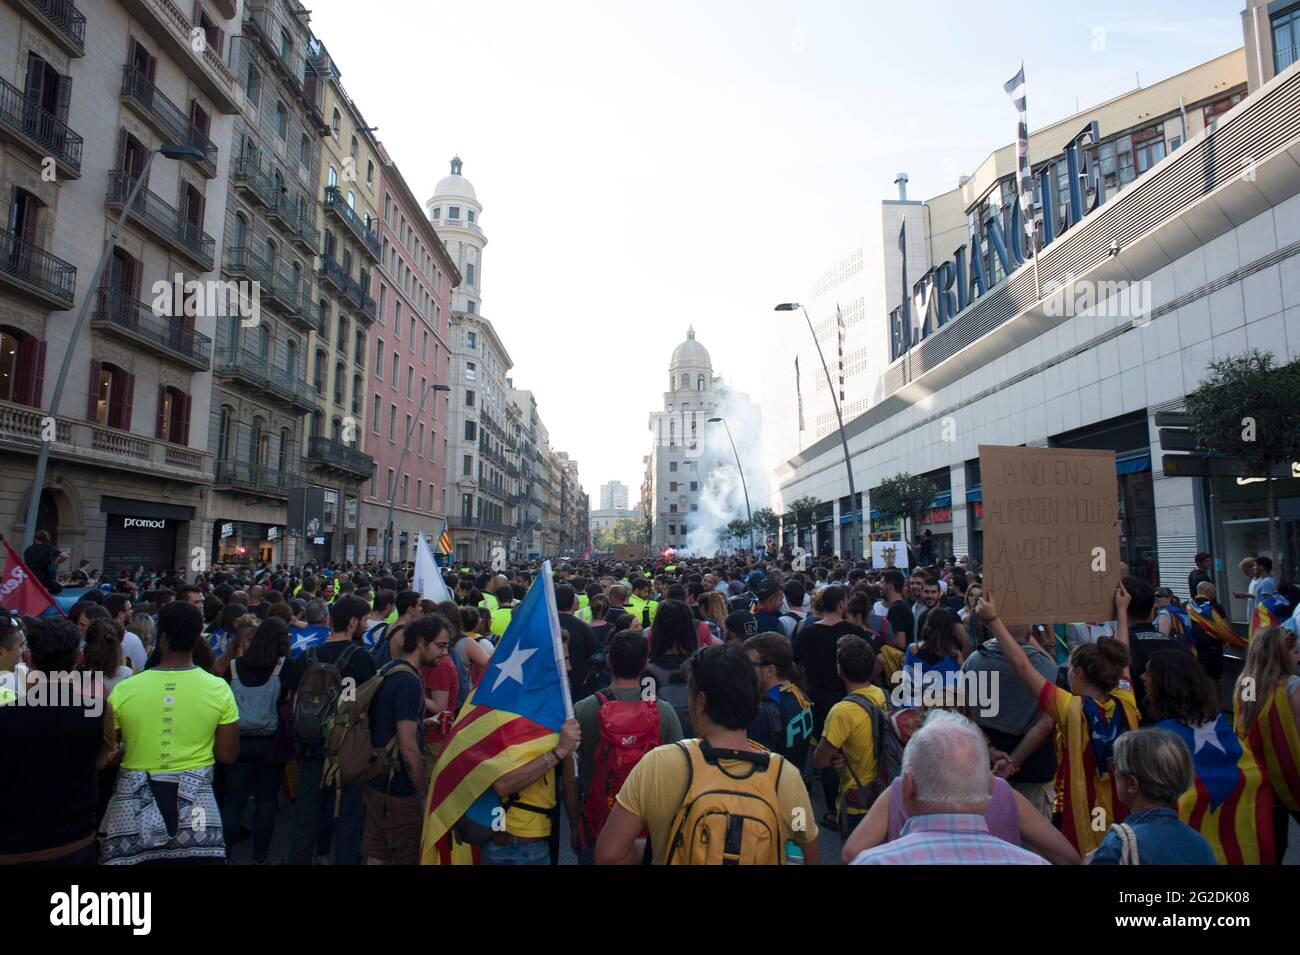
677	467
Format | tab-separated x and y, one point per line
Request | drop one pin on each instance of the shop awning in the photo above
974	494
1132	462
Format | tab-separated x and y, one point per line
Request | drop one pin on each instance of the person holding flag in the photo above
21	592
1266	714
493	788
1230	801
1271	610
1209	618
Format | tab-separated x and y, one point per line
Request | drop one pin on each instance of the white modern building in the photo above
613	496
1188	196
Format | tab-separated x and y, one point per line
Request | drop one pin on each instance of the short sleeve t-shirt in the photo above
848	728
443	677
655	787
815	652
901	619
400	698
169	718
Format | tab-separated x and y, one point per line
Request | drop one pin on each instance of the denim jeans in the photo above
313	818
520	853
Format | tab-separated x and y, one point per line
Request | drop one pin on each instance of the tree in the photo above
801	511
1245	407
905	495
765	522
628	530
737	530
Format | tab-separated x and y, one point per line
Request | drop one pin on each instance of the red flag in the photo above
20	590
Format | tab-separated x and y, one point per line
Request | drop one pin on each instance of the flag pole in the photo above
548	591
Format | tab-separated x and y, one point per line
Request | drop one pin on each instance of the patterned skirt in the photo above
134	829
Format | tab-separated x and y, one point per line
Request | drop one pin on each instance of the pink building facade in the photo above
409	356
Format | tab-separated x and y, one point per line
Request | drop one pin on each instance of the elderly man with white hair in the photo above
946	786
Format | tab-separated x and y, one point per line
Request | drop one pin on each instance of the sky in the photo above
647	166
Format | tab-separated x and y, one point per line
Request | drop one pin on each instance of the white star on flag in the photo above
1204	735
512	667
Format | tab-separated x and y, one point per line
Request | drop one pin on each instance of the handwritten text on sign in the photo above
1051	535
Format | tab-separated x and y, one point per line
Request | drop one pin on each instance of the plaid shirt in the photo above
947	838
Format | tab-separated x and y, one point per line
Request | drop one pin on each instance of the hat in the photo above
766	589
743	623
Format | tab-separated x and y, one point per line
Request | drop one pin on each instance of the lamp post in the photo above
748	516
856	541
171	151
406	446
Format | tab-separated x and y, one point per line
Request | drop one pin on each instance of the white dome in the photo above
691	352
455	186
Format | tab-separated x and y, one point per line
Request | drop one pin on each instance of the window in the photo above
469	306
304	151
437	213
389	493
410	382
699	383
469	273
419	492
467	465
339	372
672	465
469	399
252	84
336	120
333	178
281	120
672	530
467	507
392	422
356	394
672	487
424	347
396	373
1286	39
1149	147
321	358
375	408
453	212
469	214
352	149
379	358
471	370
471	431
695	485
112	393
672	508
397	320
370	173
22	367
359	349
1219	107
471	340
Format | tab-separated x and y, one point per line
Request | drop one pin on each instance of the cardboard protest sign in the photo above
886	555
1051	533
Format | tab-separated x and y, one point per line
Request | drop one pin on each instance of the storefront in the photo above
1243	531
246	543
143	534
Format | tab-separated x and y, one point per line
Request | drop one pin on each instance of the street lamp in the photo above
856	541
748	516
171	151
401	461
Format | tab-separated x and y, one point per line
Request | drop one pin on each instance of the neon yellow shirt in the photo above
169	718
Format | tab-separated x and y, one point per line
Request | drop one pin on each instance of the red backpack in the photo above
628	730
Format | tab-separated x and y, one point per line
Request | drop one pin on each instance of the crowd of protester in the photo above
168	717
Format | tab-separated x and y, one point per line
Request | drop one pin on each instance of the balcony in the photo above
172	28
166	118
22	428
162	220
242	262
255	478
253	181
337	204
62	21
135	321
260	376
35	273
332	274
365	305
36	129
480	524
290	297
334	455
306	236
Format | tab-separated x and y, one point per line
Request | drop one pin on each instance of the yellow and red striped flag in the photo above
513	716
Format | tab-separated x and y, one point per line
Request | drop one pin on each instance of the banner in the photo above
1051	533
888	554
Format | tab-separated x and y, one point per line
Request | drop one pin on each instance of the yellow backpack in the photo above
727	818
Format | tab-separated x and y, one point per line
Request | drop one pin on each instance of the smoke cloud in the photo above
722	496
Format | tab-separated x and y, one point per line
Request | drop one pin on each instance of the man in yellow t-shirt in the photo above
723	703
847	739
529	795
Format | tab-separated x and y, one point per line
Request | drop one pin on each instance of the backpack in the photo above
599	675
350	757
463	682
375	634
628	730
379	652
318	697
888	747
725	819
670	686
259	711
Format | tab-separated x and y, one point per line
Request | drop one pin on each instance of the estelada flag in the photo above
1275	739
20	591
1212	623
1230	802
513	716
1270	611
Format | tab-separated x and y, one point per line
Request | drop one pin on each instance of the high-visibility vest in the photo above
490	602
501	619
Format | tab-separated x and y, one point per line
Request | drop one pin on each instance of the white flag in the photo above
428	582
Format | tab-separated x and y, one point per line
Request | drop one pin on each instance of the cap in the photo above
742	623
766	589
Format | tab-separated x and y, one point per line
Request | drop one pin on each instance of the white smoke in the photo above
722	496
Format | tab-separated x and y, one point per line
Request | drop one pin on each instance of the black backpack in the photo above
317	698
599	676
670	686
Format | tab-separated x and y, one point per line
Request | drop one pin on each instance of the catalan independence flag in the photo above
1270	611
1212	623
513	716
1275	739
444	540
1230	802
